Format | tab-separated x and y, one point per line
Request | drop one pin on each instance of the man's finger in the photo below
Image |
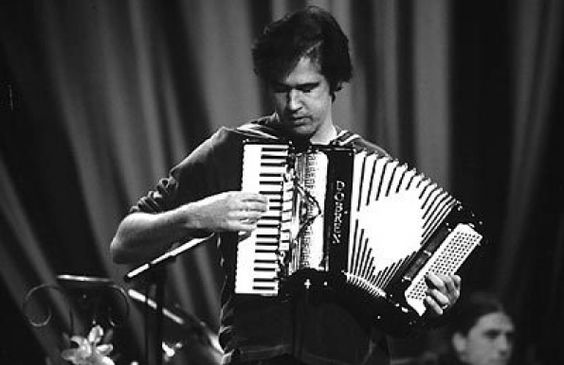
433	281
246	225
457	280
438	297
255	206
250	197
433	305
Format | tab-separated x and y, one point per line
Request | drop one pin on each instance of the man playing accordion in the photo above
304	60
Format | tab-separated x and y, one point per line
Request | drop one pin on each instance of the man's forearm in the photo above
142	236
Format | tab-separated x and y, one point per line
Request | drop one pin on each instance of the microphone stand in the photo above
155	272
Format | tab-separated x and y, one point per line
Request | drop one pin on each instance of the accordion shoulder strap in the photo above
345	137
348	138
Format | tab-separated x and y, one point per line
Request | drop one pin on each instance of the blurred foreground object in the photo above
184	335
85	310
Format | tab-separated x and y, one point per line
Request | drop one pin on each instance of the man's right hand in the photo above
141	236
228	211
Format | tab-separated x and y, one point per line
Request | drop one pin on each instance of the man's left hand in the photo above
443	292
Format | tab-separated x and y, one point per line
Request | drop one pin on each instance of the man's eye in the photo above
307	89
492	334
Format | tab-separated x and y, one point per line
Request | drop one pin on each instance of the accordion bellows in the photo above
373	222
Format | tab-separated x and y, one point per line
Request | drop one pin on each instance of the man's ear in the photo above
459	343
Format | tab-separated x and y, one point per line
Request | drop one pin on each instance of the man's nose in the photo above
503	344
294	99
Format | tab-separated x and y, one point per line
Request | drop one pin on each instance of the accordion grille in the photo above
446	261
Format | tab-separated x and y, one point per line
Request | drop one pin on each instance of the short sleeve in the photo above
160	199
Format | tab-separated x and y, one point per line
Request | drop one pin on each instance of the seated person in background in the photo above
481	333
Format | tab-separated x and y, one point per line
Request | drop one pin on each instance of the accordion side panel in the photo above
446	260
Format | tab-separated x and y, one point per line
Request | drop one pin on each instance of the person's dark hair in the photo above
311	32
474	307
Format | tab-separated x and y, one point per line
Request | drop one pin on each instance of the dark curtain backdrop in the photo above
100	98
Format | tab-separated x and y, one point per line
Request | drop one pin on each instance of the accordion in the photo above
358	218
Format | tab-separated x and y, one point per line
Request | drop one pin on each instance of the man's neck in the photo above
325	134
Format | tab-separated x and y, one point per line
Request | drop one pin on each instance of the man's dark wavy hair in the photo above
311	32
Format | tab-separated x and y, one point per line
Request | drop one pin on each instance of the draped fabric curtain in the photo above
101	98
531	239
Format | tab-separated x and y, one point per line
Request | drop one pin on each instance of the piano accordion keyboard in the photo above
258	253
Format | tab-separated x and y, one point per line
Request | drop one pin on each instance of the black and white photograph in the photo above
281	182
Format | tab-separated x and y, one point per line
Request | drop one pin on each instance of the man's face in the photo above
489	342
302	100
